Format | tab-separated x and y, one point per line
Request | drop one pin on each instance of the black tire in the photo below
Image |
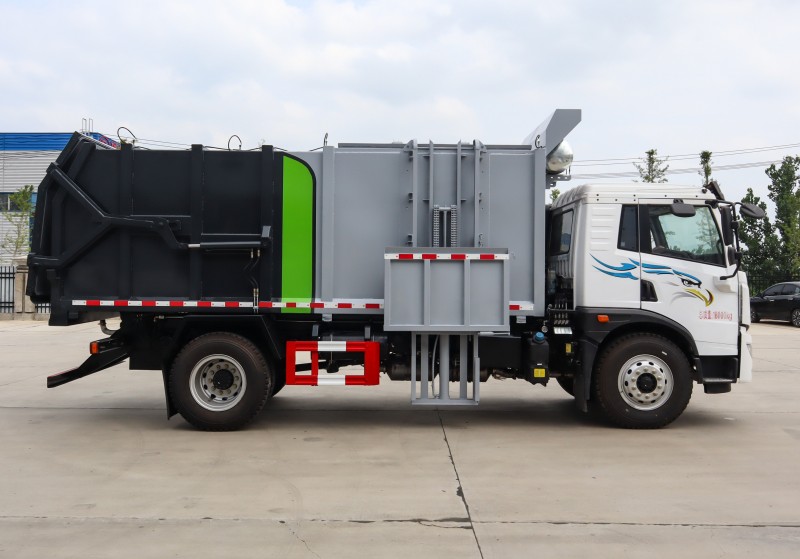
220	381
642	381
568	384
754	318
280	382
794	318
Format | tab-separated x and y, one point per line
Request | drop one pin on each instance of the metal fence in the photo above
8	278
7	289
758	284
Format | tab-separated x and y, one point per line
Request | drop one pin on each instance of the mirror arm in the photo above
735	228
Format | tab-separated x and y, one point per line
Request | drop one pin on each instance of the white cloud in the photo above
680	76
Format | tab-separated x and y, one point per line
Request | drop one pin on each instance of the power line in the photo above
629	174
681	157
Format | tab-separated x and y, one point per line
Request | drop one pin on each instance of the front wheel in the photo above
220	381
754	318
795	318
642	381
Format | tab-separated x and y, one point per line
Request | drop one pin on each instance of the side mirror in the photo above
727	219
682	210
751	210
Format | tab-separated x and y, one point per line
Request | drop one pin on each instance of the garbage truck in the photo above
235	273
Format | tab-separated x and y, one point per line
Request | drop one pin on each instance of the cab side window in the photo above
561	233
629	229
694	238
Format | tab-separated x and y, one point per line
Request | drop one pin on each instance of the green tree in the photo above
554	194
785	194
705	166
651	168
17	241
761	244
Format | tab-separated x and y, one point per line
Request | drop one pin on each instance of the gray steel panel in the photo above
370	212
405	286
447	294
486	305
442	295
371	196
515	210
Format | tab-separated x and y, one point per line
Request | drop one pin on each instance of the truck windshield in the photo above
689	238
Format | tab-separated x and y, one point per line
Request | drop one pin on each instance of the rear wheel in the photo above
642	381
220	381
795	318
754	316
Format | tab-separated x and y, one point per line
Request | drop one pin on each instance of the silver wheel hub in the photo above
217	382
645	382
796	317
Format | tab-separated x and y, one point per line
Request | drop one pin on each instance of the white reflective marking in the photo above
331	346
330	381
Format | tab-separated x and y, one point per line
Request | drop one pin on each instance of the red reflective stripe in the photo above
93	303
405	256
344	305
372	306
291	305
176	303
148	303
458	257
429	257
317	305
305	346
265	305
203	303
487	256
355	346
232	304
120	303
513	307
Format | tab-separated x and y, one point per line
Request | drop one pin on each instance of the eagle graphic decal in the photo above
691	286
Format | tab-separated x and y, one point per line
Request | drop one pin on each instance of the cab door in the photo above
683	258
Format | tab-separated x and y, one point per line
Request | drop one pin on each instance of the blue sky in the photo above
677	76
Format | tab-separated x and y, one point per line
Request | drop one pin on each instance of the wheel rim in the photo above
217	382
645	382
753	316
796	317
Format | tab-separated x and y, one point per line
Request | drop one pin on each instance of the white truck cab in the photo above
647	279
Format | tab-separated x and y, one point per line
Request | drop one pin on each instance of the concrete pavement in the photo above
94	469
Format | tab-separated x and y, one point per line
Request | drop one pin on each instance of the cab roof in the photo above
632	193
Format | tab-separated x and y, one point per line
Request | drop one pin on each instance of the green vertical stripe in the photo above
298	234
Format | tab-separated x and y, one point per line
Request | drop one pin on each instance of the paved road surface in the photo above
94	469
